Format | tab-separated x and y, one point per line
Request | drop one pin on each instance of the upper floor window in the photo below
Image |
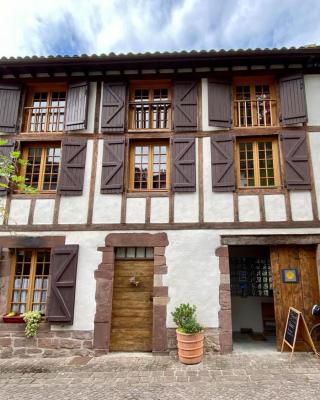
258	163
29	281
149	169
150	106
45	111
254	103
42	169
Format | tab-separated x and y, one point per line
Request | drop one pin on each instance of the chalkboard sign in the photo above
296	323
292	326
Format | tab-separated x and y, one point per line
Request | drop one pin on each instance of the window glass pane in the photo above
141	167
120	252
131	252
266	164
32	174
246	164
159	167
51	171
140	252
149	252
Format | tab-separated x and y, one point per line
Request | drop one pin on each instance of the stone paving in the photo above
146	377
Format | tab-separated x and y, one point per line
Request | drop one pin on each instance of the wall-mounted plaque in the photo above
290	275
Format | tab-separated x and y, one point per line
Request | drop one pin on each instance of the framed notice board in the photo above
296	324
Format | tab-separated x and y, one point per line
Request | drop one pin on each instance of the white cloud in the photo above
101	26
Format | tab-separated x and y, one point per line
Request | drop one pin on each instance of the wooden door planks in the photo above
301	295
132	316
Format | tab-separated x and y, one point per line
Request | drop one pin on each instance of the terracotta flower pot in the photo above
190	347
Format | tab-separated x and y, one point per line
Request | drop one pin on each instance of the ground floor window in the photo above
29	280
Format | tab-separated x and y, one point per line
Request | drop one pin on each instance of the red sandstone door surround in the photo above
104	287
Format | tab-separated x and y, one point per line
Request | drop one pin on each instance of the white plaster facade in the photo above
193	269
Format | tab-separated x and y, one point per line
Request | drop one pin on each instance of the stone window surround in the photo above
104	287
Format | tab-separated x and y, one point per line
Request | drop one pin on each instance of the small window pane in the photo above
141	251
149	252
131	252
120	252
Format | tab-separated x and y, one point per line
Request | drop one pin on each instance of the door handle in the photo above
151	297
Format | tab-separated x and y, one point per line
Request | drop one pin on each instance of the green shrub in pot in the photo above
184	316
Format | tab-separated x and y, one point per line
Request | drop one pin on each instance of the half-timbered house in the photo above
161	179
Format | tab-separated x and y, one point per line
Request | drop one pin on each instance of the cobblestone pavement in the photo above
147	377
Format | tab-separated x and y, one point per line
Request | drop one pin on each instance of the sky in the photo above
51	27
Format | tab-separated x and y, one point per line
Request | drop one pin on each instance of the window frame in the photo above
150	86
32	274
150	143
252	82
44	146
256	168
45	87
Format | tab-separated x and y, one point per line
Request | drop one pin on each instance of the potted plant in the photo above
189	334
13	318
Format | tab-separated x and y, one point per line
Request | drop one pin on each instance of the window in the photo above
254	103
250	276
42	169
258	163
29	281
134	252
46	110
150	107
149	166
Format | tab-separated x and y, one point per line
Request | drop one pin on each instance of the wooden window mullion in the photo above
256	164
42	168
11	282
31	280
168	171
276	166
150	167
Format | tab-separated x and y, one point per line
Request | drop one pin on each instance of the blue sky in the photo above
102	26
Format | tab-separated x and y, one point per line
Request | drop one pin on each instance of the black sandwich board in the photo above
296	323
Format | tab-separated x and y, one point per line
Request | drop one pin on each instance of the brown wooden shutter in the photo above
296	160
72	167
185	106
5	151
113	107
219	99
293	107
9	108
63	266
112	165
222	163
183	168
77	104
